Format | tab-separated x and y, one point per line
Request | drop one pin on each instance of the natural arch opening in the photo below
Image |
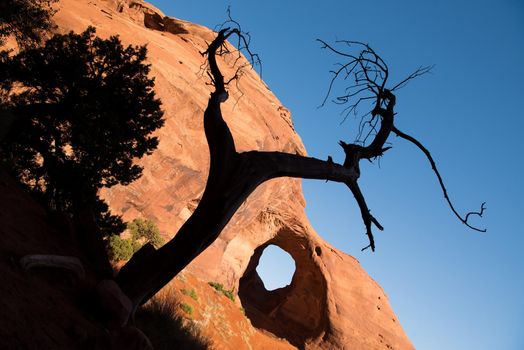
275	268
296	311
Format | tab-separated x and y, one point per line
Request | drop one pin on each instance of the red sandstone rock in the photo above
331	303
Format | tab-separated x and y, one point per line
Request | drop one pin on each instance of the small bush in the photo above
145	229
229	294
220	288
188	309
120	249
190	293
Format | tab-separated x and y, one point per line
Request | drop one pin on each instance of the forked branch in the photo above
368	74
232	177
219	47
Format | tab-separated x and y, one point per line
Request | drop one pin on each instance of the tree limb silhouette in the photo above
419	145
368	75
233	176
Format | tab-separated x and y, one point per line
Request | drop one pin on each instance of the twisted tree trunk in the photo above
232	178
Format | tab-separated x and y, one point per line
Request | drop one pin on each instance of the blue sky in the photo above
452	288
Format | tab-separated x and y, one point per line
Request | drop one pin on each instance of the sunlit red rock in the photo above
331	303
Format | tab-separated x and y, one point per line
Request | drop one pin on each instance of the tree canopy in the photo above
145	229
85	110
26	20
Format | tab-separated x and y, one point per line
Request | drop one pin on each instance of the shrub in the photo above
190	293
229	294
220	288
121	249
188	309
145	229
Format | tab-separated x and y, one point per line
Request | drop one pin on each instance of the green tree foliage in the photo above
142	231
147	230
26	20
84	110
121	249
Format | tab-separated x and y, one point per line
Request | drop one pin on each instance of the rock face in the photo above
331	302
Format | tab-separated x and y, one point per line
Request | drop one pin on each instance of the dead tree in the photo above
234	175
365	77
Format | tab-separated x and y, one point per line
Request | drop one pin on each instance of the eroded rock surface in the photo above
331	303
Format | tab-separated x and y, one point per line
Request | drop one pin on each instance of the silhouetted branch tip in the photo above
362	77
428	155
368	246
240	50
377	224
479	213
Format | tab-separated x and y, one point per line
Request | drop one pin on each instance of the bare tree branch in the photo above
228	29
417	73
368	74
232	178
463	219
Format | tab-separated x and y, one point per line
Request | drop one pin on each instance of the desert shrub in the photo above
220	288
188	309
142	231
229	294
145	229
191	293
121	248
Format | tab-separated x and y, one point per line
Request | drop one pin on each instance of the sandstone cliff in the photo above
331	303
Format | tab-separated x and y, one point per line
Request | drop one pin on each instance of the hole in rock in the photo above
318	251
275	268
291	307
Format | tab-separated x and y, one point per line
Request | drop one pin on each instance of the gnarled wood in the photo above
232	178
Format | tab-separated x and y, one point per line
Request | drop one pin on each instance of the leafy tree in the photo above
85	109
26	20
142	231
121	249
147	230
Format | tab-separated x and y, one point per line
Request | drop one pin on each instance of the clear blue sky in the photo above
452	288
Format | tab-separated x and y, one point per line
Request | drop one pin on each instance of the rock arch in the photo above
297	312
